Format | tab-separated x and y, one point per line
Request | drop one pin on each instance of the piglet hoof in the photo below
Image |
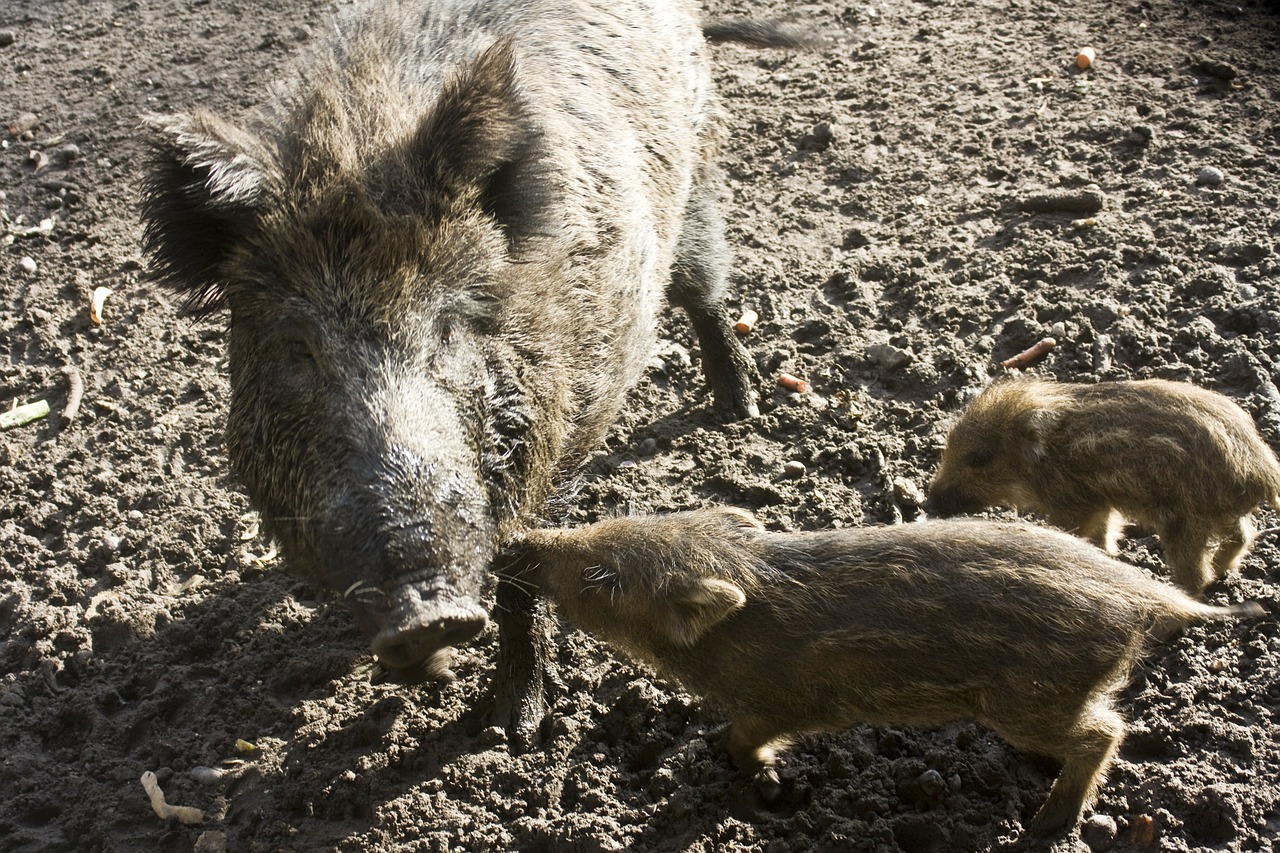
1166	628
768	785
1051	820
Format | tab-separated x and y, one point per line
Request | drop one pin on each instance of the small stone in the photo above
648	447
1099	832
1216	68
68	153
206	775
906	492
211	841
24	123
794	468
28	265
491	737
889	357
1210	176
819	138
932	784
111	542
7	37
1142	134
301	32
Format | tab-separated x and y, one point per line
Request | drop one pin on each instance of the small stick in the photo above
1030	354
21	415
164	811
75	393
792	383
1062	201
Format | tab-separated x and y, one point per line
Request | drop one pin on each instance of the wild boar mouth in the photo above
423	623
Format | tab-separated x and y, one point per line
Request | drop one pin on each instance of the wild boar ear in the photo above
1038	424
206	183
479	140
698	608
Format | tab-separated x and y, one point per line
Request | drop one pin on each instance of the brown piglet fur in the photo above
1025	629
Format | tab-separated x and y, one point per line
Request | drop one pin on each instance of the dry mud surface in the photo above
877	213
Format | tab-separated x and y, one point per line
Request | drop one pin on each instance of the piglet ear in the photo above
698	608
1038	425
206	184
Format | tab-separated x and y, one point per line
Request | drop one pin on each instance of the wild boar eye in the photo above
301	370
300	352
980	458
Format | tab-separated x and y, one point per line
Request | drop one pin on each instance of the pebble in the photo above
1142	134
1099	832
932	784
889	357
794	468
906	492
1210	176
111	542
820	138
211	841
7	37
206	775
28	265
23	124
69	152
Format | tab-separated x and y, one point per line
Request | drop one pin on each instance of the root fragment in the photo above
164	811
1030	354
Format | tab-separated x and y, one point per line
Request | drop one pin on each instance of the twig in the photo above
75	393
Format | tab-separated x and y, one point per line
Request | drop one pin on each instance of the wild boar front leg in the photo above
521	673
698	286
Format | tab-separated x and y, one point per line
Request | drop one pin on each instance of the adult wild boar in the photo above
443	251
1183	461
1025	629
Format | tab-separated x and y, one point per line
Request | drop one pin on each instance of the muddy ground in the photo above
877	192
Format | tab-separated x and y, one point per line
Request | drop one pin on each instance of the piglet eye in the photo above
980	458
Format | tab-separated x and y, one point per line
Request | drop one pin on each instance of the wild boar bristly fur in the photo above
442	250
